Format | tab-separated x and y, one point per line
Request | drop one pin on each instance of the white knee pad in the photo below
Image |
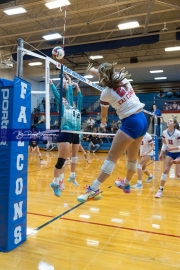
108	166
139	166
163	177
132	165
74	159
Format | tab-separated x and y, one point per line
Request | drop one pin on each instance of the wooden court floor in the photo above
120	231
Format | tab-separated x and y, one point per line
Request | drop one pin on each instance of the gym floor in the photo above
120	231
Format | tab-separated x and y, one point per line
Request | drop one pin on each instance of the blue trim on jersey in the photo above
171	133
135	125
173	155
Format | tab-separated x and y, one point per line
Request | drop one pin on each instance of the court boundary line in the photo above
53	219
92	223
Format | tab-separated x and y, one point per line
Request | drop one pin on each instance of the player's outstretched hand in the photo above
76	85
94	71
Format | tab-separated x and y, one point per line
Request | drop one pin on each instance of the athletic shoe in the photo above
73	181
61	185
94	151
56	189
89	194
159	194
41	162
137	185
52	147
88	152
120	184
149	179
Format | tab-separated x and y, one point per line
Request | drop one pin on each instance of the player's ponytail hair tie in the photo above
109	77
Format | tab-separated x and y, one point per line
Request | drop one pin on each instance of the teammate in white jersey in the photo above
171	143
71	120
146	154
120	95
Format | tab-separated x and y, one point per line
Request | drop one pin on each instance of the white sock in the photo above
161	188
61	176
95	185
140	182
126	181
56	180
73	174
150	175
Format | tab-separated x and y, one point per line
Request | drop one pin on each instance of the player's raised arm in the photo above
80	97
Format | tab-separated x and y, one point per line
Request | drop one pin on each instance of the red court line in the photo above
108	225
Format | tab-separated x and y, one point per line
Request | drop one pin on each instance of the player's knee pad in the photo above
74	159
163	177
60	163
108	166
139	166
132	165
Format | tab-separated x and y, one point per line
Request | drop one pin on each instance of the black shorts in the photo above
68	137
33	144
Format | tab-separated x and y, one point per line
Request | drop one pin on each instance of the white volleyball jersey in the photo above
145	144
122	99
172	139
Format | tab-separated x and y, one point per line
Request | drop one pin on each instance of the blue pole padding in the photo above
15	114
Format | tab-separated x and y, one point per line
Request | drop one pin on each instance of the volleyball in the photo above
58	53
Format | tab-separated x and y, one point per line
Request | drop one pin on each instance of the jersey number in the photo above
74	114
170	142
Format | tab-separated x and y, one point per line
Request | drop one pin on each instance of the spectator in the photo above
166	106
114	126
98	118
119	123
102	127
161	94
90	123
94	142
35	119
157	112
42	119
43	103
174	106
178	106
83	112
56	123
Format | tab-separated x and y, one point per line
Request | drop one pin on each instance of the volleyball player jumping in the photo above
120	95
71	120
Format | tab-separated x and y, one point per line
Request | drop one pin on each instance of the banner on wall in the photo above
15	113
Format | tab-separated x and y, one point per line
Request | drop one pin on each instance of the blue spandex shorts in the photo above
173	155
135	125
